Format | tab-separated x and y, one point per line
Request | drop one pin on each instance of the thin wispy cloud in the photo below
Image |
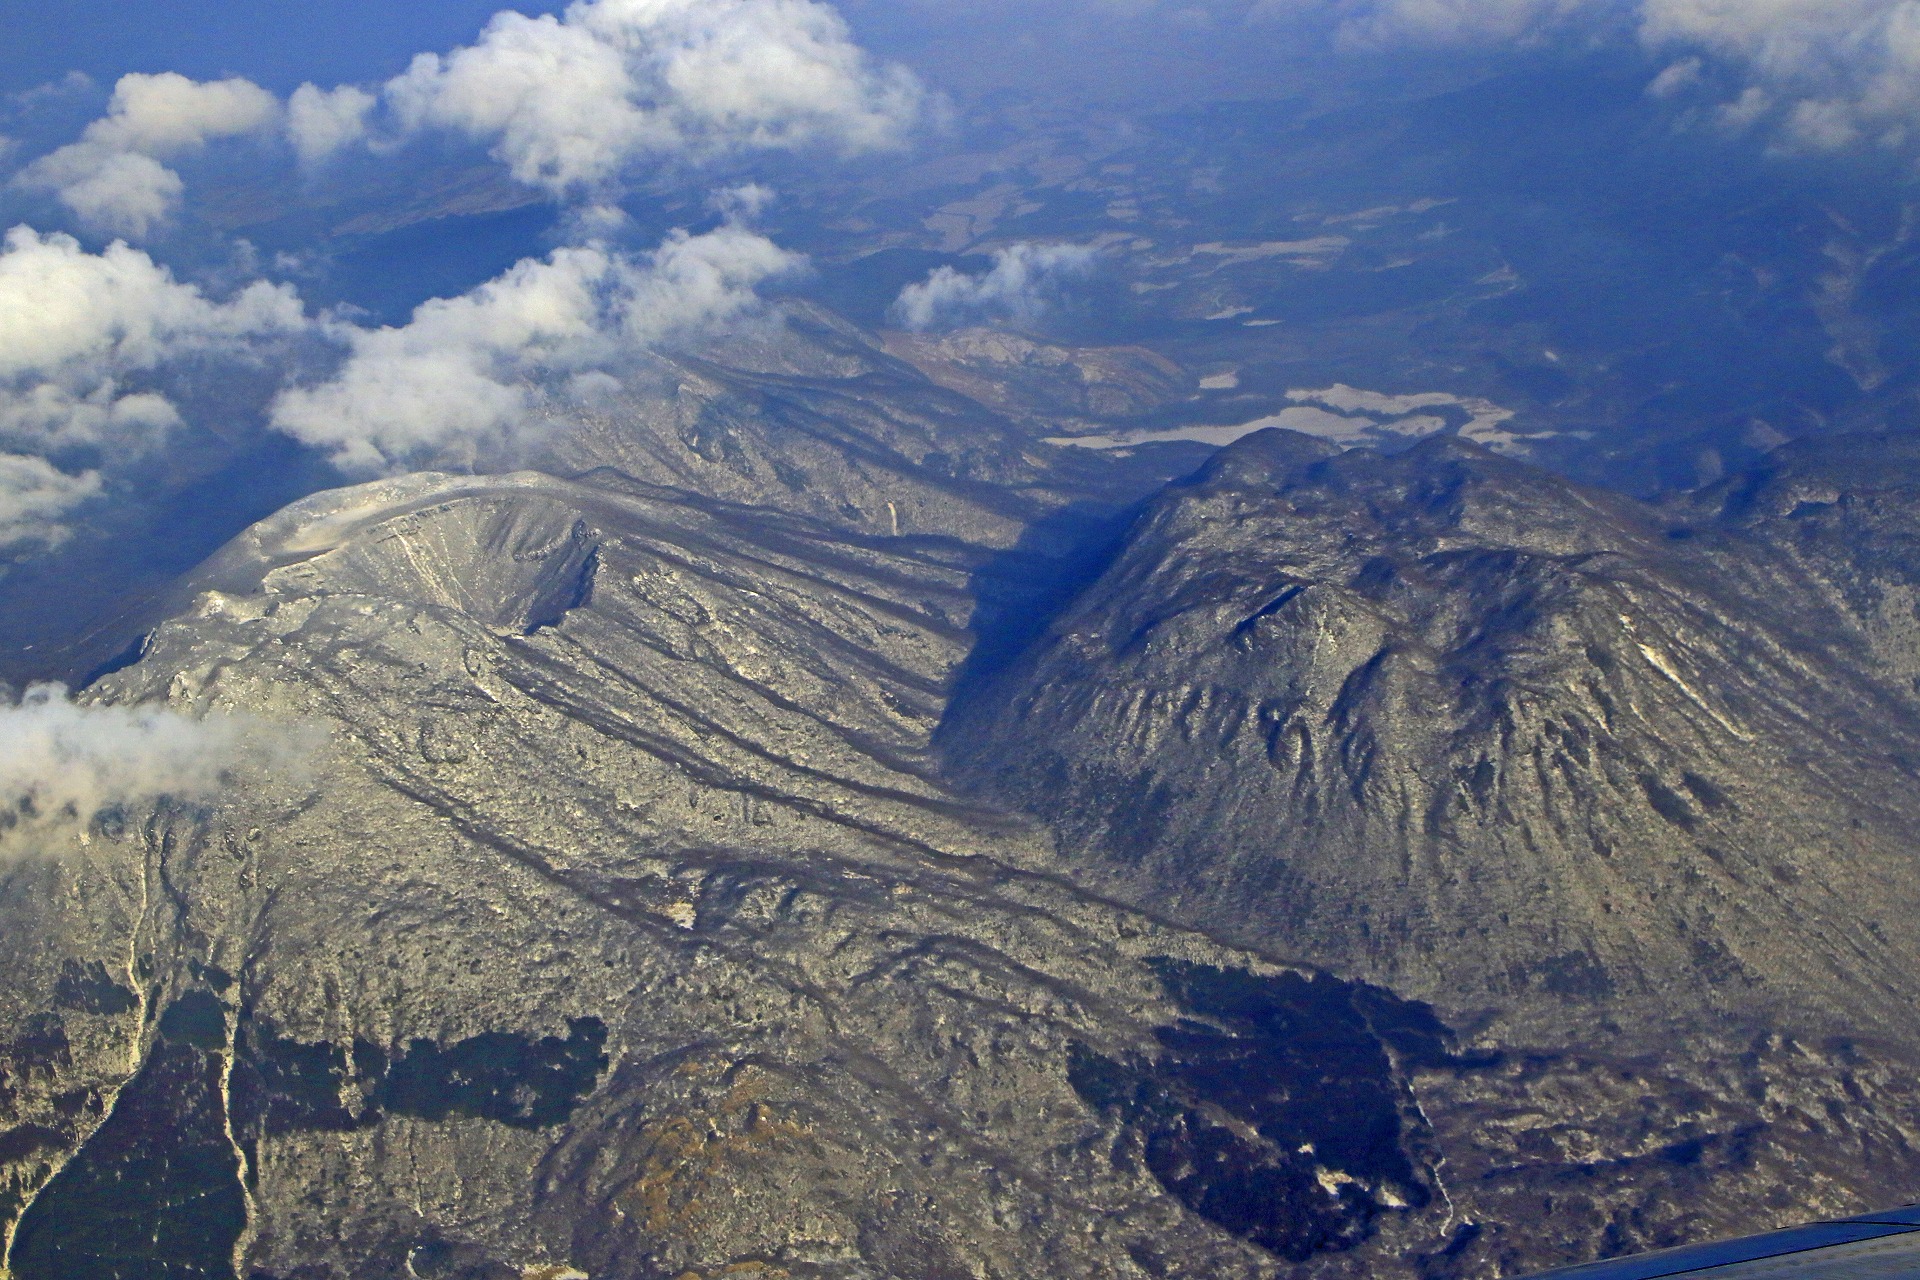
36	499
1809	74
64	763
1819	74
1828	74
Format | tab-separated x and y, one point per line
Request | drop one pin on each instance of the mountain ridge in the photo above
631	919
1319	658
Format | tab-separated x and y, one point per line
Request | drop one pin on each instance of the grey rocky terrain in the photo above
782	836
1478	733
1593	777
621	927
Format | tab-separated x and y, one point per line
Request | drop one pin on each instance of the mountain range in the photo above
808	824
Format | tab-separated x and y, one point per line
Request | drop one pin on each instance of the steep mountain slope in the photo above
1846	509
624	924
1532	752
620	928
814	416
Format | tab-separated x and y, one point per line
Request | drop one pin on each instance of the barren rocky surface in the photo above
710	878
1461	727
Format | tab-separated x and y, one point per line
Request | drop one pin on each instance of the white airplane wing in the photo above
1874	1246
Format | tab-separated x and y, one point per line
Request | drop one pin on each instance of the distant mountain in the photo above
805	414
1846	509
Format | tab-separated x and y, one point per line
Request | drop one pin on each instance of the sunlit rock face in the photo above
1629	786
625	918
1457	726
859	755
621	924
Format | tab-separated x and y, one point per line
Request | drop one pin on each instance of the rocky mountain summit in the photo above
786	836
1594	777
1461	727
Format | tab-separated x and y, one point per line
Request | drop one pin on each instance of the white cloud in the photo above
91	343
35	497
69	86
112	177
119	191
693	283
54	417
1024	281
75	326
570	102
168	114
567	102
1783	34
742	203
323	122
1826	124
1822	74
1833	71
1828	73
80	333
63	763
1746	110
466	378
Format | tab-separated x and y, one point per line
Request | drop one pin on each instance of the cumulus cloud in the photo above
168	114
120	191
1024	281
61	305
324	122
93	345
568	102
64	763
466	378
76	326
85	338
1830	72
113	177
